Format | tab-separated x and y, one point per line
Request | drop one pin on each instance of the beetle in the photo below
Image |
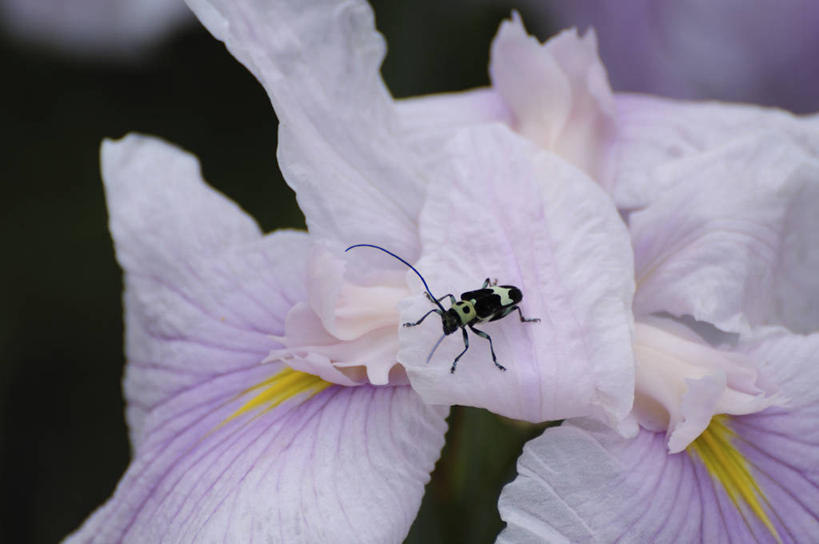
489	303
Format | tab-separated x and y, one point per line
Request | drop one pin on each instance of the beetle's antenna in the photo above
438	343
434	298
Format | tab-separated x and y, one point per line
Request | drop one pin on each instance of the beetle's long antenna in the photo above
434	298
438	343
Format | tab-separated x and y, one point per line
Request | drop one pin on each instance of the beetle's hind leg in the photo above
434	310
491	348
466	347
526	319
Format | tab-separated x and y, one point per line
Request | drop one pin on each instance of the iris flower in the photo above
720	201
272	394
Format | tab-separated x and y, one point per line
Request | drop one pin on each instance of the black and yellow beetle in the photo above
489	303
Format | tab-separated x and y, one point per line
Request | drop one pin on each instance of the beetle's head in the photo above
451	321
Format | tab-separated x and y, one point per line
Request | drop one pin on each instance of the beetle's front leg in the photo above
466	347
434	310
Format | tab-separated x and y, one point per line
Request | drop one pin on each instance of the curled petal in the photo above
345	465
731	241
682	382
558	92
346	333
204	290
340	145
526	217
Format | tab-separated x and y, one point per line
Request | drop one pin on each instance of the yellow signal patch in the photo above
277	389
728	467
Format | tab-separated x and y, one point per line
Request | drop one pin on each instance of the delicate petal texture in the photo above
731	241
95	28
347	465
655	133
204	290
429	122
558	92
449	112
339	138
574	269
582	483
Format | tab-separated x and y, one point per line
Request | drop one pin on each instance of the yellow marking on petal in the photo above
728	466
277	389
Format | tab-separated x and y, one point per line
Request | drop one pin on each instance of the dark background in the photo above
63	442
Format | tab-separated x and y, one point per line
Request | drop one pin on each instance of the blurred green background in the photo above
63	443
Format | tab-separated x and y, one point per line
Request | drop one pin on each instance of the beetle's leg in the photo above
491	349
451	298
466	347
487	283
526	319
434	310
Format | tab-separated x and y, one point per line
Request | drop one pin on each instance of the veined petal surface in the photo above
347	465
523	215
224	449
204	290
732	239
583	483
340	144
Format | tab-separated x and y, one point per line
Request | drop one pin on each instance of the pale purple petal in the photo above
340	145
656	133
204	290
528	218
429	122
347	465
449	112
558	92
583	483
783	443
790	361
731	240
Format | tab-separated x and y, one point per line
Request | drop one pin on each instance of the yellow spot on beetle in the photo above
728	467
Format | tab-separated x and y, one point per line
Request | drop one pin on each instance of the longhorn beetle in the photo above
489	303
